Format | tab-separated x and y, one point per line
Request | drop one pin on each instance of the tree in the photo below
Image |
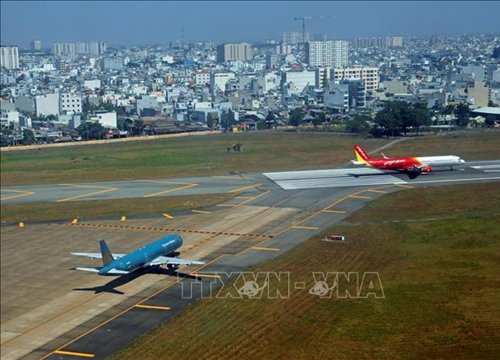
359	124
91	130
489	121
399	117
210	121
227	119
124	124
462	115
319	119
137	127
296	116
28	137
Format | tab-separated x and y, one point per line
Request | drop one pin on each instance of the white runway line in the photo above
332	178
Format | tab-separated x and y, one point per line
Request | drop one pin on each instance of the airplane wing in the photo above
97	255
165	260
96	270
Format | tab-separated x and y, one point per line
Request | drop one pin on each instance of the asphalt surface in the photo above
324	198
292	180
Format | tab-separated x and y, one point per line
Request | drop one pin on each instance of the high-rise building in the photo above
233	52
102	47
369	75
36	45
294	37
93	48
9	57
333	53
70	103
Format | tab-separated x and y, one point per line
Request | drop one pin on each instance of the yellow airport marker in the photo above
62	352
75	221
334	211
201	212
212	276
152	307
123	219
168	216
264	248
359	197
306	227
21	224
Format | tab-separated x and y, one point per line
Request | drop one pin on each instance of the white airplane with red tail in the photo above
412	166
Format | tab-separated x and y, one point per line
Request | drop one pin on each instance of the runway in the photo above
61	316
245	183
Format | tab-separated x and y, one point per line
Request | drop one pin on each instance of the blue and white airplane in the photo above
159	252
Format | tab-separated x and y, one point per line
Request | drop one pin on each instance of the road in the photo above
51	312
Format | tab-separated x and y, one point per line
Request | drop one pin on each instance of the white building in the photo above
269	82
369	75
92	84
294	37
71	103
47	104
232	52
218	81
9	57
323	77
333	53
202	78
296	81
106	119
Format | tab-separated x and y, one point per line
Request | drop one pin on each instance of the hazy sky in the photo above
158	22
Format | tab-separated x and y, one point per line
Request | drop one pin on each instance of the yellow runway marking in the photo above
334	211
106	189
201	211
359	197
19	194
62	352
168	216
264	248
243	188
210	276
152	307
305	227
244	197
377	191
227	205
185	186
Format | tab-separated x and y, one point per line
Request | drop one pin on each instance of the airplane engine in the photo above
426	169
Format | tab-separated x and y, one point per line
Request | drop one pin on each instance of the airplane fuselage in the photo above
142	256
427	162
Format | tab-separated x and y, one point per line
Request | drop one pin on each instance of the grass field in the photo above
106	208
439	277
203	156
179	157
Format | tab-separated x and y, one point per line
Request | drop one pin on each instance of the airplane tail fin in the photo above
361	155
107	257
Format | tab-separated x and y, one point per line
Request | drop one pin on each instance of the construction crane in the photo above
303	18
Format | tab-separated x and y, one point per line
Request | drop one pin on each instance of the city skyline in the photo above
148	23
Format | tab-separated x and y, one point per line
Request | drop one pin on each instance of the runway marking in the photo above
106	189
210	276
334	211
201	211
243	188
231	177
19	194
244	197
128	227
305	227
168	216
404	186
185	186
452	180
359	197
152	307
73	353
377	191
264	248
